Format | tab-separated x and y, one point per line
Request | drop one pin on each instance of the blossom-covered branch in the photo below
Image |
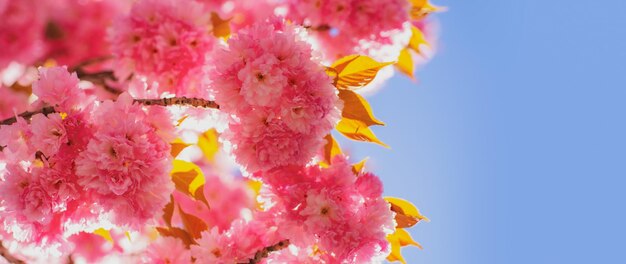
195	102
28	114
261	254
182	101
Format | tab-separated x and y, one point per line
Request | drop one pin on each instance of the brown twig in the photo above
99	78
27	115
195	102
4	252
185	101
263	253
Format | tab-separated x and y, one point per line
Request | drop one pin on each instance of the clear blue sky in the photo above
514	141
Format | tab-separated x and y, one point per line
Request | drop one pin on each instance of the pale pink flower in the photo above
48	133
57	87
212	248
167	250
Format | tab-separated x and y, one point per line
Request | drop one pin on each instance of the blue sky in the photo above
513	141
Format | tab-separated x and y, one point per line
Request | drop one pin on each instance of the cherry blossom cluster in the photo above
281	101
33	31
81	161
192	131
166	42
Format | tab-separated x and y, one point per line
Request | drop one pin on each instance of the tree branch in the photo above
27	115
195	102
263	253
184	101
4	252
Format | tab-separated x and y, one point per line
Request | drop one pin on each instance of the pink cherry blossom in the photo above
57	87
166	250
166	41
126	163
48	133
71	22
281	100
347	215
20	32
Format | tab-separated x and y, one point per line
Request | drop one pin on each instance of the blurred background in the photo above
512	141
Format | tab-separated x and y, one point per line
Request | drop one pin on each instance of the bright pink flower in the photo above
126	163
346	215
348	27
21	30
76	28
282	101
165	41
57	87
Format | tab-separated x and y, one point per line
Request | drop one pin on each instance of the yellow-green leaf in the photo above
417	40
177	146
168	212
192	223
357	108
209	144
354	71
407	214
405	63
221	27
357	168
331	149
397	240
187	177
357	130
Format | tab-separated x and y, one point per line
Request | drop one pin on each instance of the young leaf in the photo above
354	71
357	168
422	8
357	130
193	224
199	195
407	214
209	144
357	108
187	177
221	27
417	40
331	149
177	233
405	63
177	146
397	240
168	212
